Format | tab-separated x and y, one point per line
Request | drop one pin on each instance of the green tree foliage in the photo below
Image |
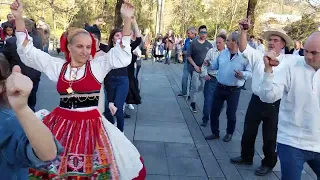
95	12
300	30
178	15
145	13
186	13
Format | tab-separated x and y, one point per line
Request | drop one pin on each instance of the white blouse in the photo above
117	57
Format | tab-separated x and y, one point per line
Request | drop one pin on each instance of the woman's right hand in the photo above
17	8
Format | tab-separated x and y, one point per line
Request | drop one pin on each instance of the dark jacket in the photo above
10	52
103	47
301	51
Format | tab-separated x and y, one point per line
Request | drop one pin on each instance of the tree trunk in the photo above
157	30
54	31
118	19
161	25
250	14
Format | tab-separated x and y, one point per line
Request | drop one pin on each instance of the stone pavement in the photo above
169	136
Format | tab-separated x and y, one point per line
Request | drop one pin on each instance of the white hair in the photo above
223	31
192	30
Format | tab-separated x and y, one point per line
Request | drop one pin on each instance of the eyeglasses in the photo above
203	32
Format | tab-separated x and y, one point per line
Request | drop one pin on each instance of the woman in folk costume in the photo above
93	148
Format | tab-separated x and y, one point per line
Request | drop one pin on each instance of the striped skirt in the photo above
93	149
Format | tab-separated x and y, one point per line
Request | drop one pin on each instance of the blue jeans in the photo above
168	56
231	95
185	76
292	161
120	85
208	93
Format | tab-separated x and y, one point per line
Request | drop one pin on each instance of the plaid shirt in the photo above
211	56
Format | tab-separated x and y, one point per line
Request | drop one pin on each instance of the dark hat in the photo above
94	30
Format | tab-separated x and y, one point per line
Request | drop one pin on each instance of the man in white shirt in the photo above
258	110
298	84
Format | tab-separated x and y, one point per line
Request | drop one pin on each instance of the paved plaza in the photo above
169	136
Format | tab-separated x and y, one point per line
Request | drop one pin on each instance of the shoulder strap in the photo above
63	69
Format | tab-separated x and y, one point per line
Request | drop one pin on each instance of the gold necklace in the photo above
72	78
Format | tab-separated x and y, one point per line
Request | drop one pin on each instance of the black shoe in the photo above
182	95
262	170
227	138
126	116
240	160
188	98
204	124
193	107
211	137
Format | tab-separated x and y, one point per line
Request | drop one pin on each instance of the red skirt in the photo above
87	151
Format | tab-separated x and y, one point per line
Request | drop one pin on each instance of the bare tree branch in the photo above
314	4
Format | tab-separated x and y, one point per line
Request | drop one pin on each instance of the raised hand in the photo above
244	24
17	8
18	88
127	9
270	60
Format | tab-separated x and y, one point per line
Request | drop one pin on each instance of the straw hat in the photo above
278	32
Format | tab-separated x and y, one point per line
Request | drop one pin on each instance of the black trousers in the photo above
137	74
267	113
221	94
32	100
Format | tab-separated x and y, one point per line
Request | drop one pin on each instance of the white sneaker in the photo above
130	106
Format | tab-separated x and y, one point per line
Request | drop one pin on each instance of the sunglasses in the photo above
203	32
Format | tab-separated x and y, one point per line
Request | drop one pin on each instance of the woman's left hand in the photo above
127	9
113	109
